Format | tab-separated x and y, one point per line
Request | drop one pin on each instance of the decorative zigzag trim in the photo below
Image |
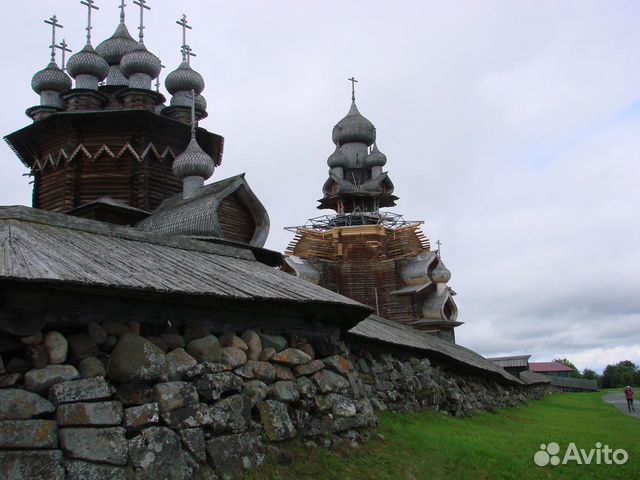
41	163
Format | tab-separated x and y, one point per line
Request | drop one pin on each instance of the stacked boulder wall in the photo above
164	407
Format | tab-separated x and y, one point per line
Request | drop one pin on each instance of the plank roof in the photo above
46	247
387	331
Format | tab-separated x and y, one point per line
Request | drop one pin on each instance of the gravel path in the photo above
618	400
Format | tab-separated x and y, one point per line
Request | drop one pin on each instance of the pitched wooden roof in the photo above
46	247
387	331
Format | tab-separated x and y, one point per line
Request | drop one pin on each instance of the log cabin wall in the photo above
236	220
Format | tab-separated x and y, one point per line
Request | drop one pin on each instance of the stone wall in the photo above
105	402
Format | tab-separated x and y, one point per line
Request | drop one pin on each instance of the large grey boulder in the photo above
56	346
178	363
231	455
211	386
156	453
100	414
285	391
91	367
205	349
328	381
18	404
291	357
193	441
31	465
277	342
135	360
233	356
256	390
16	434
141	416
254	344
257	371
233	414
87	389
193	416
276	420
104	445
173	395
39	380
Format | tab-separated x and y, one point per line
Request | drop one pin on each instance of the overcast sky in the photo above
512	128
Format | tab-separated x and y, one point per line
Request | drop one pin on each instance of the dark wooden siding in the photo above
236	220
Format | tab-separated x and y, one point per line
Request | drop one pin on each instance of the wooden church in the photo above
369	255
112	148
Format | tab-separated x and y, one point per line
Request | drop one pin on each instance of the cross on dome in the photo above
63	46
143	6
353	87
53	21
122	7
90	7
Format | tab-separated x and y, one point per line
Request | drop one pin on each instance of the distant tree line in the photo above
614	376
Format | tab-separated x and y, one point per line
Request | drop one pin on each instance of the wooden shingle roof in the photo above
51	248
380	329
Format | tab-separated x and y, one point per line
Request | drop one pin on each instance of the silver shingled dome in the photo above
183	99
51	79
193	162
354	128
440	274
142	61
184	78
376	158
337	159
117	46
88	62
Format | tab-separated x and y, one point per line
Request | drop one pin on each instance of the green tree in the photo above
589	374
620	374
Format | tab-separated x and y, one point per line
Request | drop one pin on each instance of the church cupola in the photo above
182	81
51	82
116	47
87	67
194	165
140	67
356	181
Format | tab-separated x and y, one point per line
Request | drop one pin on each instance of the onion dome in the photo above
184	79
183	99
376	158
440	274
88	68
51	79
140	67
193	162
354	128
113	49
337	159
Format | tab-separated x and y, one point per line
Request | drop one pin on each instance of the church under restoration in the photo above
372	256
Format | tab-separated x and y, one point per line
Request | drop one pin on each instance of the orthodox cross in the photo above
439	243
121	7
187	53
53	21
184	23
143	6
353	88
158	79
63	46
90	6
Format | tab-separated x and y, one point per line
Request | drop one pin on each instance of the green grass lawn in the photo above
498	445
